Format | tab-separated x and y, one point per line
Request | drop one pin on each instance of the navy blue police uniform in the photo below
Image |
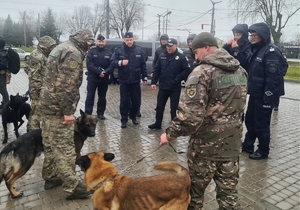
265	85
97	60
243	52
169	71
129	77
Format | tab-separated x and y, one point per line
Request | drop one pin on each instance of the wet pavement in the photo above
264	184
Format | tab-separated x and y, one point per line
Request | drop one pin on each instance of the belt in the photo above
2	71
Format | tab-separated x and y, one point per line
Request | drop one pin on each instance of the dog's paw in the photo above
17	195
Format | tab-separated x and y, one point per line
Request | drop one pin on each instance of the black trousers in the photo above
129	92
3	89
162	98
90	97
257	121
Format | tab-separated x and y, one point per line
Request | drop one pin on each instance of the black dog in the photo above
12	112
18	156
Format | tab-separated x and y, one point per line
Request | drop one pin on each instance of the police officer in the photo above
98	61
210	111
35	69
189	52
265	85
58	102
130	59
171	68
163	44
240	46
3	74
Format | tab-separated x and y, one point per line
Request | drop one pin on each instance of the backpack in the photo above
13	61
3	59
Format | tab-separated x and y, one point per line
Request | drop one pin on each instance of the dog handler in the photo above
210	112
35	70
59	98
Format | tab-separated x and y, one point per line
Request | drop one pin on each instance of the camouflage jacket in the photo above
63	76
36	65
211	107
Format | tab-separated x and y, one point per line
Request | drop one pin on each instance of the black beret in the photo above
100	37
128	35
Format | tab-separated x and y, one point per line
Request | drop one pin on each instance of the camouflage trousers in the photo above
224	173
34	120
59	151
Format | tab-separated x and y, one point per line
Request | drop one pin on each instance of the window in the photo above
147	47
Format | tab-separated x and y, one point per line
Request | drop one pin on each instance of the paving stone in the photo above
266	184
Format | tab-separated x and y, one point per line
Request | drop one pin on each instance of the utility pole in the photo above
168	13
107	19
158	32
212	25
24	21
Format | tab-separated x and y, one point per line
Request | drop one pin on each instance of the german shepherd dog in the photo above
18	156
12	112
115	191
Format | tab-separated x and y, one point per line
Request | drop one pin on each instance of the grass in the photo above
293	72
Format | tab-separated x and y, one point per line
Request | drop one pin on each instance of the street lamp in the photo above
212	26
166	15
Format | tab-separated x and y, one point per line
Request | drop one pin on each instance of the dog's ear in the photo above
17	94
82	113
109	156
11	97
83	162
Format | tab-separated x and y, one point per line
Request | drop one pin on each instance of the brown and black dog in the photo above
112	190
19	155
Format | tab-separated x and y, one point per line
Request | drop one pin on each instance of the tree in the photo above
126	15
61	24
28	21
79	19
98	19
8	31
48	25
275	13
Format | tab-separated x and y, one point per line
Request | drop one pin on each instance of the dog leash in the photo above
150	153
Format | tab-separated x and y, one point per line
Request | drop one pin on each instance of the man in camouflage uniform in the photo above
210	111
35	70
59	98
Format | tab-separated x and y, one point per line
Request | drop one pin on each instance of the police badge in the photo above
191	91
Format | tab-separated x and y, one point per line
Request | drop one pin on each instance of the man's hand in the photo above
68	119
144	82
102	74
229	41
234	44
124	62
153	87
163	139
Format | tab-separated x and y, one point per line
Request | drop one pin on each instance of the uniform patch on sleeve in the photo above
191	91
73	64
272	67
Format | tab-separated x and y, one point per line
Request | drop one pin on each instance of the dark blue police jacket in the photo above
265	77
170	70
98	57
131	73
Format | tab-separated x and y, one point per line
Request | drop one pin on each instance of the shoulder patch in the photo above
73	64
191	91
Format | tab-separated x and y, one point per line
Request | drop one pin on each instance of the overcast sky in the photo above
187	15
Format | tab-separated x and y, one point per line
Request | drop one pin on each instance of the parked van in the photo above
148	46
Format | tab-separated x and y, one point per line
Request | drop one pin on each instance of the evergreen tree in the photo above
48	25
8	31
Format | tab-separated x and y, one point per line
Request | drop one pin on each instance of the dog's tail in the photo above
172	167
5	153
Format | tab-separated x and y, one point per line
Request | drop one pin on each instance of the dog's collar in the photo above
100	184
11	109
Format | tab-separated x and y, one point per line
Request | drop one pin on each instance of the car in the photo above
23	54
